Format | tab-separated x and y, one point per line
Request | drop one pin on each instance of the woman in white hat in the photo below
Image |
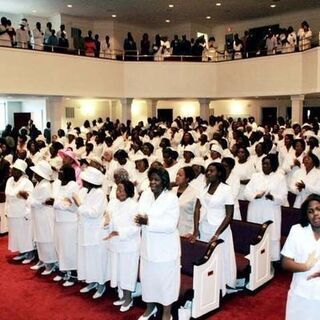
92	250
17	191
43	219
124	243
199	181
142	165
66	224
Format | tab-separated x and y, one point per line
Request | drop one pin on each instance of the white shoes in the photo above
57	278
151	314
138	291
126	308
68	283
118	303
28	260
38	266
20	257
89	287
48	271
100	291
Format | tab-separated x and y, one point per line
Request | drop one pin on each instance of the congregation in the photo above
106	202
272	41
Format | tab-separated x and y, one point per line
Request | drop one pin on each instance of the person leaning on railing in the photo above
5	40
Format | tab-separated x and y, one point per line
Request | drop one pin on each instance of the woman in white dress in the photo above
142	165
92	250
234	182
42	217
160	245
301	254
244	169
304	36
66	224
306	180
267	192
187	200
170	163
19	221
199	181
124	243
213	215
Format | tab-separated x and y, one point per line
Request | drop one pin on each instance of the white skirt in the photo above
160	281
299	308
47	252
124	270
20	235
93	263
66	238
229	267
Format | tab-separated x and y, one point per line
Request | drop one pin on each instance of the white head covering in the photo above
95	159
42	169
198	161
92	175
216	148
139	156
20	165
191	148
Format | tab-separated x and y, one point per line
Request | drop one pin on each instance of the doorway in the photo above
269	116
21	119
165	115
311	113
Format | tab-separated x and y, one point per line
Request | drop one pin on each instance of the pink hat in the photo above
70	154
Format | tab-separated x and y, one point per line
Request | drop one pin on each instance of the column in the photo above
55	107
204	108
297	108
125	109
152	107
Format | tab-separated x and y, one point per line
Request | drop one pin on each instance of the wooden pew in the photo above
290	217
200	270
252	244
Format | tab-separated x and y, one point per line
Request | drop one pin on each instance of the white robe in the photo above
187	203
92	250
304	295
234	182
244	171
66	224
160	248
124	248
261	210
18	212
311	181
43	221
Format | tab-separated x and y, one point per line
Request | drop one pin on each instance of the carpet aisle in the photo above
25	295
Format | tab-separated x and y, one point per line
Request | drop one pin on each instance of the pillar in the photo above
204	108
152	107
125	109
297	108
55	110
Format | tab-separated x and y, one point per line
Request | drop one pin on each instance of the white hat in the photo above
41	138
73	133
174	125
288	131
191	148
198	161
20	165
92	175
42	169
261	129
216	148
213	142
94	159
305	125
139	156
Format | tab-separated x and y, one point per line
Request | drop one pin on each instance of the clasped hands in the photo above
311	262
141	219
300	185
268	196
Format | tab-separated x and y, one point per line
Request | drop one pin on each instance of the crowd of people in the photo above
284	40
106	201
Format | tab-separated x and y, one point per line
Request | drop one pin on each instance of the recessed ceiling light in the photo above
34	11
273	5
69	5
171	5
208	17
167	21
218	4
114	16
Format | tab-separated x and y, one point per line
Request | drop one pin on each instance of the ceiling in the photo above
153	13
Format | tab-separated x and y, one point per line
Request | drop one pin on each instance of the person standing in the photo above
17	191
43	219
160	244
301	254
92	250
38	37
124	243
22	36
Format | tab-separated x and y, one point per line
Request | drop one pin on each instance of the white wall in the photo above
13	107
37	108
183	108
